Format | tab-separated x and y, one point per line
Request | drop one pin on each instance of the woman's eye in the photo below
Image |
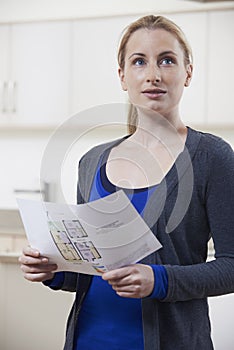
166	61
139	62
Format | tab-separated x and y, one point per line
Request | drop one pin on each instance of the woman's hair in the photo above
151	22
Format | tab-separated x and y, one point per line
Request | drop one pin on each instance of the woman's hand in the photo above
133	281
36	268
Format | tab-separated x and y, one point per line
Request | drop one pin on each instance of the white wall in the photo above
27	10
221	314
20	160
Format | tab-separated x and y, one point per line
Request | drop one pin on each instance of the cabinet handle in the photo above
14	96
12	90
4	97
45	191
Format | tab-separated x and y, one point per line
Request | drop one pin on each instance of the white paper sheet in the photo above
89	238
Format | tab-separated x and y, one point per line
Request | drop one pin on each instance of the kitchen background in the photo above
59	92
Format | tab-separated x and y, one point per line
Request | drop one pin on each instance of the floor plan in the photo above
71	240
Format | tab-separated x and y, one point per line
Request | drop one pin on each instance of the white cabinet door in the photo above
220	69
193	104
38	80
95	63
95	67
41	70
32	316
4	71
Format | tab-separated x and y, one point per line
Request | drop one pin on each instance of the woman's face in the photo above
155	74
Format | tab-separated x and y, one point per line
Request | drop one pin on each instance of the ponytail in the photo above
132	119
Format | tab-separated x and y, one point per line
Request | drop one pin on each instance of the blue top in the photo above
106	319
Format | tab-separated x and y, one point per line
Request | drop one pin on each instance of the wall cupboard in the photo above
34	73
95	79
52	70
193	104
220	92
95	68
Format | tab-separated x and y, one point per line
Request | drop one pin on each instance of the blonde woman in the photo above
181	182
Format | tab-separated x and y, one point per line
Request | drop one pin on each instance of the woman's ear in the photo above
122	79
189	71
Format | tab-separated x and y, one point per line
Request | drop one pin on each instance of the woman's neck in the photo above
153	129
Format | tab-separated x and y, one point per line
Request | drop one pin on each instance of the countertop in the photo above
12	236
10	222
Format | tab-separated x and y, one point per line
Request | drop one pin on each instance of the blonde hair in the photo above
151	22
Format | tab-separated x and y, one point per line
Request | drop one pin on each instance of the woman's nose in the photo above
153	73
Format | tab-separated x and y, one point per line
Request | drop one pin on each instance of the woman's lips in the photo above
154	93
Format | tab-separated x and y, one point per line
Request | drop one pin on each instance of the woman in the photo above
181	181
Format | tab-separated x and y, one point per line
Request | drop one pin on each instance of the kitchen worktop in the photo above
10	222
12	236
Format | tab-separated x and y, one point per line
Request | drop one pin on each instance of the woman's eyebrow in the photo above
136	54
167	52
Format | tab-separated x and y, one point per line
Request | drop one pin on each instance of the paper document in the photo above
89	238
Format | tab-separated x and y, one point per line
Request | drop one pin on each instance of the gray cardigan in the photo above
194	202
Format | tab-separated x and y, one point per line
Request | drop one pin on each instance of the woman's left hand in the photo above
133	281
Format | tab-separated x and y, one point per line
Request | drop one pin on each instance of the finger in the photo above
116	274
34	269
30	260
129	291
128	295
28	250
40	277
123	282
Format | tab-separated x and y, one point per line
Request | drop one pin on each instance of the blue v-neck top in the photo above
106	319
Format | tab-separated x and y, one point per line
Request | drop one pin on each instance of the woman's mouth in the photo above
154	93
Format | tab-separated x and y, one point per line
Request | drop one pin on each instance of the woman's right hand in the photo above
36	268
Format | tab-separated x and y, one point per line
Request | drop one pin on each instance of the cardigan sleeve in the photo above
220	201
66	281
215	277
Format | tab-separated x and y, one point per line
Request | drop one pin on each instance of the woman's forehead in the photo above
156	39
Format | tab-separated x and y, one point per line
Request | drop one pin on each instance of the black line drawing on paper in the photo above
69	237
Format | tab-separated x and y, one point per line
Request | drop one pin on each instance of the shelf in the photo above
10	257
10	222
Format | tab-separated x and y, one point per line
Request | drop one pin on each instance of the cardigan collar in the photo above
181	173
181	176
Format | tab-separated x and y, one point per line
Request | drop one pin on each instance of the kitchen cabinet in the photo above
95	78
95	67
221	316
220	93
34	73
208	101
32	316
193	104
4	56
52	70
